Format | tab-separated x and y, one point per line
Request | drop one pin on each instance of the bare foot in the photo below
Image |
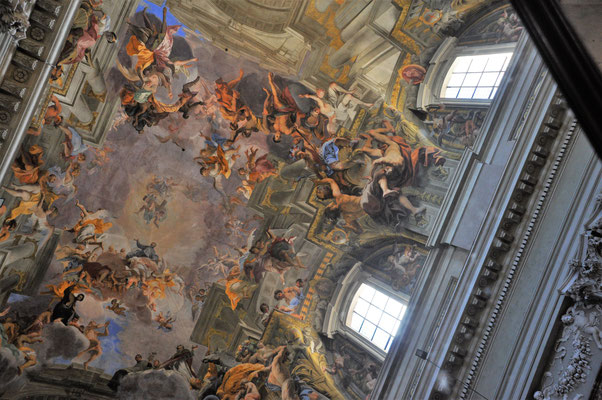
419	211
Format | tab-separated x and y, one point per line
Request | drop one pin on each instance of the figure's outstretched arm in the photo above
376	134
81	207
339	88
234	82
336	191
106	331
6	310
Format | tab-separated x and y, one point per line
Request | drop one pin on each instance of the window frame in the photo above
351	309
451	72
439	69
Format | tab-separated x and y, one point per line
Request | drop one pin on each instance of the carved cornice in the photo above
37	30
472	333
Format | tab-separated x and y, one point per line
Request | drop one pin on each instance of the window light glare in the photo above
376	316
475	77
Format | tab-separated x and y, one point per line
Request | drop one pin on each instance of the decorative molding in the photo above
581	320
528	230
25	67
509	227
568	61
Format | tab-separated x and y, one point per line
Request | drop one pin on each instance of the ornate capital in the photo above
13	20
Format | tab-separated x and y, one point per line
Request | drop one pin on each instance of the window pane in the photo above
499	79
381	338
493	93
356	322
488	79
402	313
393	307
472	79
478	64
506	62
456	80
388	346
466	93
496	62
482	93
396	327
366	292
387	322
380	300
368	329
378	319
461	64
374	314
361	307
451	93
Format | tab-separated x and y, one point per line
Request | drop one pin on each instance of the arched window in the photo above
375	315
475	76
460	75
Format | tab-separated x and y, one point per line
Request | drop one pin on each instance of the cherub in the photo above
52	116
218	164
92	333
219	264
582	323
101	157
116	307
164	322
256	170
28	353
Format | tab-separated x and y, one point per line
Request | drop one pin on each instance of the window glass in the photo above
475	77
376	316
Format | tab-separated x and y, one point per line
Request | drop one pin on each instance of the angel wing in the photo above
251	239
127	73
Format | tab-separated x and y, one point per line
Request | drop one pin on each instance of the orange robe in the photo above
231	384
99	225
136	48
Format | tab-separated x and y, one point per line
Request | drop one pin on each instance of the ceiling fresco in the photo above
197	208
